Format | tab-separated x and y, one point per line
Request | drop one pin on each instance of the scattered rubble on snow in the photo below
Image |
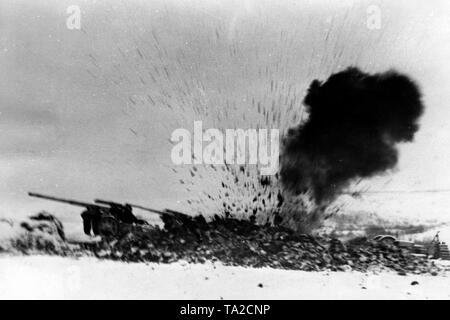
226	240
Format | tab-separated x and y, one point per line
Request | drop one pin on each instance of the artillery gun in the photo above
172	219
96	218
109	218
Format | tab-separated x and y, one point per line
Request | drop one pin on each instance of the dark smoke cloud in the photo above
355	121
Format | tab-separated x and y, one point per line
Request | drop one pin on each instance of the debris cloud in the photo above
355	121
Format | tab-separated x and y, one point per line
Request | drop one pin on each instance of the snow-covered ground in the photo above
44	277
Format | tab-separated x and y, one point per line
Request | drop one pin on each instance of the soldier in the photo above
128	215
91	220
123	213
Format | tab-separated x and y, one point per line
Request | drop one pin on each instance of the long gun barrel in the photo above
159	212
108	203
112	203
72	202
148	209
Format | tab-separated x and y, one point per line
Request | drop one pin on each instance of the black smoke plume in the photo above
355	121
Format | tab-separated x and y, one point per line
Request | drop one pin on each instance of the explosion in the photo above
355	122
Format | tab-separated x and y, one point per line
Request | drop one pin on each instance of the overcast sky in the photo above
88	113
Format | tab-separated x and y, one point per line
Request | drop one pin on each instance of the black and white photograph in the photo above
240	150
